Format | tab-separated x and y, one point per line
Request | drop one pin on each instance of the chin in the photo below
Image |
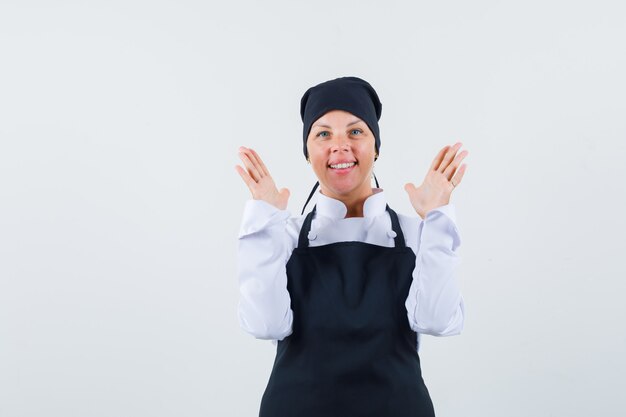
342	188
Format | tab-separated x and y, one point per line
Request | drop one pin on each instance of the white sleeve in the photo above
435	305
263	248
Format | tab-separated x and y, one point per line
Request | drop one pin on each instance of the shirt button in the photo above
312	235
391	233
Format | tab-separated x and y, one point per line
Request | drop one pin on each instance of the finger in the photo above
253	161
251	168
449	171
246	178
448	157
458	177
260	162
438	158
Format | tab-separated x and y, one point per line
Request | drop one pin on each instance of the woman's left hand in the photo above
437	186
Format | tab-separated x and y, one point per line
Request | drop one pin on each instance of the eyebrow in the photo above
328	127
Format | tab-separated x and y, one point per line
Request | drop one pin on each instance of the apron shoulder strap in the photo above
303	238
395	225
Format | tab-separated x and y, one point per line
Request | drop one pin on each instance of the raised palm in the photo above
436	188
259	180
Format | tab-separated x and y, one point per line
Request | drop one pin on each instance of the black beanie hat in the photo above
351	94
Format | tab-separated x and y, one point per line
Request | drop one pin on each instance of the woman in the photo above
346	290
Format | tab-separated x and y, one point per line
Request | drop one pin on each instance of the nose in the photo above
342	143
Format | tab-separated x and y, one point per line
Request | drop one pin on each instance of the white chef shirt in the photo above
268	235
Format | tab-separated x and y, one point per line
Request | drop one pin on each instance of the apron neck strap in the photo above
310	195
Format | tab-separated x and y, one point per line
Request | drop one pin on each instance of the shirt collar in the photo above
373	206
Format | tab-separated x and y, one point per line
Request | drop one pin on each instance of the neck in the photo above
354	201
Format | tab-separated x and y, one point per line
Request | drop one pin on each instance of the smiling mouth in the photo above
344	166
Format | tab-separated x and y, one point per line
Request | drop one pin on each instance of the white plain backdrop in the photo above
120	205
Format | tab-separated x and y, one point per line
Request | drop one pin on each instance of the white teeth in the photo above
346	165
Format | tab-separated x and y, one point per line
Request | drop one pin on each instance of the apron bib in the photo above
352	352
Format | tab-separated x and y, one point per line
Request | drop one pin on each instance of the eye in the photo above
357	130
323	131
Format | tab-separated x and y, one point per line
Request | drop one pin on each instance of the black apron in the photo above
352	352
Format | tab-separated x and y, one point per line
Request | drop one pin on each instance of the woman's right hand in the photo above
259	180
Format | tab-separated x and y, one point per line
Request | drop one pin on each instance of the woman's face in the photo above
338	137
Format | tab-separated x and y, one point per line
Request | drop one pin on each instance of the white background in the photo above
120	205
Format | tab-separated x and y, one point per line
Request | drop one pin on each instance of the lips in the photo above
342	162
342	171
